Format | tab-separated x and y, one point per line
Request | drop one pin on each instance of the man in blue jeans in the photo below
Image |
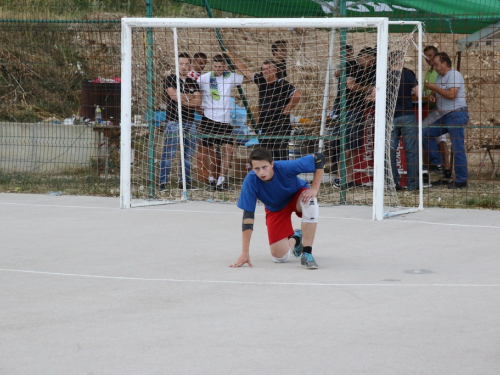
405	123
449	94
190	100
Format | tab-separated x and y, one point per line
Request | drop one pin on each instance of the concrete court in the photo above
87	288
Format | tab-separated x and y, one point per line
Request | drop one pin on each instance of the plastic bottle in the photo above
98	115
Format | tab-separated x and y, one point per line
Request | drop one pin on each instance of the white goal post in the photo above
381	25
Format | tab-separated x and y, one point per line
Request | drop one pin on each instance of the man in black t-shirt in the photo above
277	97
190	97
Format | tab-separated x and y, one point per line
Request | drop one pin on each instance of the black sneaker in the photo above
336	183
224	187
447	174
438	169
399	187
457	185
163	187
212	186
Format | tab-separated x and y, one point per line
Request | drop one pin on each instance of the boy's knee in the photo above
282	259
310	211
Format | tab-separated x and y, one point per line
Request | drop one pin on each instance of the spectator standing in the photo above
449	95
216	89
430	77
190	100
277	98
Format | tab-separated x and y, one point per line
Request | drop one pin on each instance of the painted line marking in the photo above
247	282
259	214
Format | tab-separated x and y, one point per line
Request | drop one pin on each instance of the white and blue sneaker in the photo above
297	250
307	261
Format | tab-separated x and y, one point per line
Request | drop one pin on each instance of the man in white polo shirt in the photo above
216	89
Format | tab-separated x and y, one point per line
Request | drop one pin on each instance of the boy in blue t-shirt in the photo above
277	186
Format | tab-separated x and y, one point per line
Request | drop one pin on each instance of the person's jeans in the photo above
172	141
454	124
406	126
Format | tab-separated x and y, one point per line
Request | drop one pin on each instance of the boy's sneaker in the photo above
307	261
212	186
297	250
336	183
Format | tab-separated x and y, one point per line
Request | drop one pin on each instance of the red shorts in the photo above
279	223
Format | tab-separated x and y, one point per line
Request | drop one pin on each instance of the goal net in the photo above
293	86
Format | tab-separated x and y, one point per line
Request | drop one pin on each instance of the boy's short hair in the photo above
260	154
444	58
185	55
200	55
219	59
278	44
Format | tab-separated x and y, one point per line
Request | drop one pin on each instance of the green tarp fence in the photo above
446	16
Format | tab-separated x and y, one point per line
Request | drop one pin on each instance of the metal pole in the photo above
126	116
380	112
179	113
343	84
327	89
420	91
150	104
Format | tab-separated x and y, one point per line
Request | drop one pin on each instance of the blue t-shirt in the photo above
276	193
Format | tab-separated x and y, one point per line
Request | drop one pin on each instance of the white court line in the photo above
239	213
246	282
58	206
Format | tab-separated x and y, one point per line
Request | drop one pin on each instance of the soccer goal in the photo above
294	86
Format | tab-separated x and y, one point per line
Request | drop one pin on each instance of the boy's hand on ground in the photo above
244	258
